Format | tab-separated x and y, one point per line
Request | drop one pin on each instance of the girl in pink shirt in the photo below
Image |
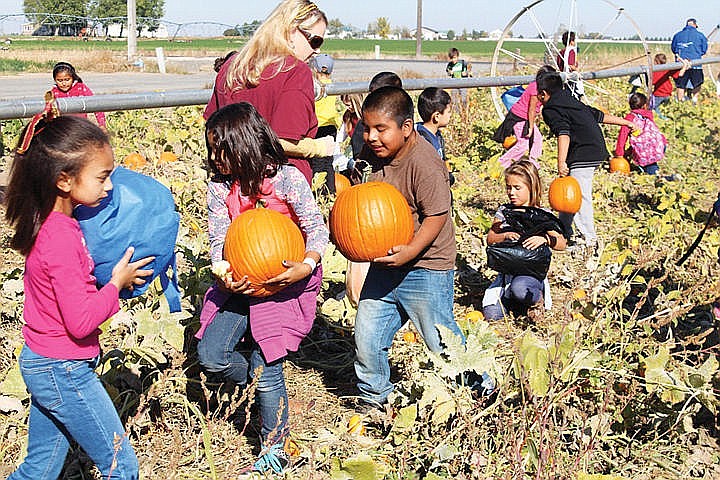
69	84
520	122
61	163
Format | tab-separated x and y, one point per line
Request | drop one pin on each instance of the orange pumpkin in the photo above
620	165
565	195
509	142
135	161
167	157
256	244
369	219
341	183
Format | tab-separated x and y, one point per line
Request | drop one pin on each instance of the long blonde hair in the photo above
529	175
271	42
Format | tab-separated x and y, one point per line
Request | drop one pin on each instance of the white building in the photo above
427	33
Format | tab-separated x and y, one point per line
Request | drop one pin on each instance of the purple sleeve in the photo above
292	186
218	218
83	307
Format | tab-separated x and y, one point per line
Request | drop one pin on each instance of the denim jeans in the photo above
218	353
68	401
584	218
388	299
523	292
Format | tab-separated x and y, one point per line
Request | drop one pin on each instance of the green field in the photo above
339	47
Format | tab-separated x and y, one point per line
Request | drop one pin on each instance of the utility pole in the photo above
418	31
132	30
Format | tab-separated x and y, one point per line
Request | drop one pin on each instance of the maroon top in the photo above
286	101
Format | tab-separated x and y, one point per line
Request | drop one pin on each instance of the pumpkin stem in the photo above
365	173
261	203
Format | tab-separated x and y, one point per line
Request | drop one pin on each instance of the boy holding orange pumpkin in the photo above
581	145
414	281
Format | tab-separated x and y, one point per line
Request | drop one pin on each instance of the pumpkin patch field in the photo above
619	380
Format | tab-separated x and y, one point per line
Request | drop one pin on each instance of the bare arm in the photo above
563	147
496	236
401	254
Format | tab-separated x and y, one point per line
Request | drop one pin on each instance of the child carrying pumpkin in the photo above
647	143
248	165
523	228
62	163
414	281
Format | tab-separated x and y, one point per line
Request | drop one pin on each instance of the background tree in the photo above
61	7
149	13
335	26
383	27
451	34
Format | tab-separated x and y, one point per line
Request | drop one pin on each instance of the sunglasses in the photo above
315	41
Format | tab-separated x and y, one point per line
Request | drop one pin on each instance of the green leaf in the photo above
405	418
13	383
534	362
361	467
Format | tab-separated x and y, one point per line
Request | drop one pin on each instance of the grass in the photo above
13	65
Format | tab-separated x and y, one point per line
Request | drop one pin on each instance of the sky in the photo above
659	18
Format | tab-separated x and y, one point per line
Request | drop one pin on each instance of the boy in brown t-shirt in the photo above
414	281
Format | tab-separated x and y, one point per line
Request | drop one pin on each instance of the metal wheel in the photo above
548	19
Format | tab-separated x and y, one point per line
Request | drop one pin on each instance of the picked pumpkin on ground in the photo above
134	161
619	165
167	157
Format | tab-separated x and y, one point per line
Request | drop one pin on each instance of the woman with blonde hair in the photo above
271	73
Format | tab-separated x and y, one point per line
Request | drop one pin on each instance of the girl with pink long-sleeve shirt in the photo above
69	84
61	163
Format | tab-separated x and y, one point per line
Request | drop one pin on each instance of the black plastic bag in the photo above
511	257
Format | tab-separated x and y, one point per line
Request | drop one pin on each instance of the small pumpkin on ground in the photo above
167	157
619	165
134	161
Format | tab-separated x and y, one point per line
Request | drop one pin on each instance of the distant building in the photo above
495	34
427	33
118	30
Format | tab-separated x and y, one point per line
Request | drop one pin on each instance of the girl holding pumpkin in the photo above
248	167
272	74
517	292
62	163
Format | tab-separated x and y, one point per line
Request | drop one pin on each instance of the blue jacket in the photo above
689	44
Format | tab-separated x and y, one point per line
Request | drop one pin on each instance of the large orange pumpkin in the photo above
620	165
135	161
256	244
341	183
565	195
369	219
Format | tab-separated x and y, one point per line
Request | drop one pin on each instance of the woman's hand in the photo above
126	274
531	243
295	272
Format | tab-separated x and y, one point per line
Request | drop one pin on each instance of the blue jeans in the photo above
523	292
67	401
651	169
218	353
390	297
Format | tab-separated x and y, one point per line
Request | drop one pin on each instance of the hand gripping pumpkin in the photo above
369	219
565	195
256	244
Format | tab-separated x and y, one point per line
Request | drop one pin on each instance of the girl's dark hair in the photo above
432	100
550	82
245	145
66	67
390	100
62	145
637	100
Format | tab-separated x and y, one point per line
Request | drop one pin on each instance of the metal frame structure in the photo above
176	98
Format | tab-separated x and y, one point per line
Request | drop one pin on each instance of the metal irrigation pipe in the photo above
177	98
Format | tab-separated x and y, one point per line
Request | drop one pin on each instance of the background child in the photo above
662	85
517	293
520	122
414	281
69	84
581	145
648	146
248	164
434	107
328	118
67	163
567	62
458	68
